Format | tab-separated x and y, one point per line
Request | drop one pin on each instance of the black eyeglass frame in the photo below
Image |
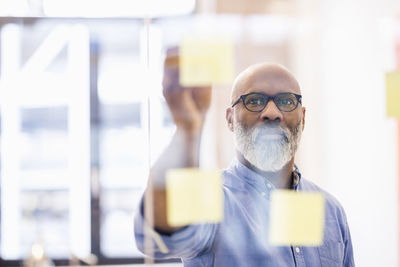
268	97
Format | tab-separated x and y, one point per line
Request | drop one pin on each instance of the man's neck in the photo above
281	179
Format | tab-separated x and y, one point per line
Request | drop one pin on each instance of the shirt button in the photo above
297	250
268	185
263	194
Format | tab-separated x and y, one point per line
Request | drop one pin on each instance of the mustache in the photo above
261	130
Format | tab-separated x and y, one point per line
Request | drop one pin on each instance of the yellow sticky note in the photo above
193	196
206	60
393	94
296	218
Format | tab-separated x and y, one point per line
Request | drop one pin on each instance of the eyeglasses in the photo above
256	102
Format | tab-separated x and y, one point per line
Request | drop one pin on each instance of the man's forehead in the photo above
267	78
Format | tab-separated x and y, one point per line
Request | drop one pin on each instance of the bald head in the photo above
264	77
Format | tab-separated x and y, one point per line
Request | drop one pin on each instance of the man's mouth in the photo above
272	134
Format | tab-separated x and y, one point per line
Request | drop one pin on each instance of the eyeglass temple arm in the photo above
299	98
237	101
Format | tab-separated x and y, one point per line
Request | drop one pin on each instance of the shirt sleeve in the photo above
348	260
187	243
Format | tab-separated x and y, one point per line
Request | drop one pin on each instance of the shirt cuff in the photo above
184	243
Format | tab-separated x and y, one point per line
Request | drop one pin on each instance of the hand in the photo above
188	105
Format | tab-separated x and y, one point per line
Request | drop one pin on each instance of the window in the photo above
74	136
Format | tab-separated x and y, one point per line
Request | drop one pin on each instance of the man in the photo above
267	119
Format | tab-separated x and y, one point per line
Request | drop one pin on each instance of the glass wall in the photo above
75	141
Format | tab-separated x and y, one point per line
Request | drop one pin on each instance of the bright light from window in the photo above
37	251
14	8
117	8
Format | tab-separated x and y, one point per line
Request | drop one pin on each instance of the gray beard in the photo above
265	153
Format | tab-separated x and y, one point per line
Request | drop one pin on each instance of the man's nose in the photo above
271	112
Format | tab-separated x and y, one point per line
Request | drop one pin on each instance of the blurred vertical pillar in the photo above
148	61
150	54
210	153
95	124
397	56
305	54
79	138
10	129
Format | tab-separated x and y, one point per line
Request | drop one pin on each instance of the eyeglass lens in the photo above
257	102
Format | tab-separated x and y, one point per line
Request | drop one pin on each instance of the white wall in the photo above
360	143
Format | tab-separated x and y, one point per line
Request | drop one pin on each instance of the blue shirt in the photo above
241	238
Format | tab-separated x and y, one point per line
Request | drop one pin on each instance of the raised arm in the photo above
188	106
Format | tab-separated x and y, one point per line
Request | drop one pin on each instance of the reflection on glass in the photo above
122	174
44	182
124	170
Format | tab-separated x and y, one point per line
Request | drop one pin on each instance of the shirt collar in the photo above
296	177
256	180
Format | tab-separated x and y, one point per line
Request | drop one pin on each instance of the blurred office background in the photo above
83	117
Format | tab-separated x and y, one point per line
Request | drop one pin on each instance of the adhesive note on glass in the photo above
193	196
296	218
206	60
393	94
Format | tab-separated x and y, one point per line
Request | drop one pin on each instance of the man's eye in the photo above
255	101
287	101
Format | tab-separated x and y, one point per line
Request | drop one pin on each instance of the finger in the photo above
172	51
202	97
171	72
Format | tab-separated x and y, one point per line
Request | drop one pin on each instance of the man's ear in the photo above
304	117
229	118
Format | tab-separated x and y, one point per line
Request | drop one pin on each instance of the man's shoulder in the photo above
330	200
307	185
